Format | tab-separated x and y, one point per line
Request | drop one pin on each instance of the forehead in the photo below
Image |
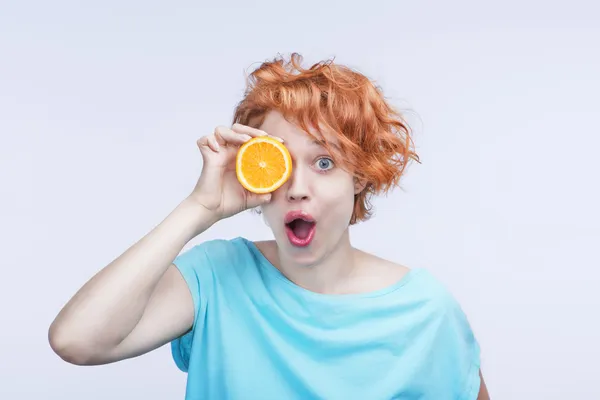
296	138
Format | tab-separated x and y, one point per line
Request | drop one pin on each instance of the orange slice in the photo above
263	164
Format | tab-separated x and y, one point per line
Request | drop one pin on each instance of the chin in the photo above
305	256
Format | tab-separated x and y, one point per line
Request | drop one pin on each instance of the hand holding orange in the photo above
241	167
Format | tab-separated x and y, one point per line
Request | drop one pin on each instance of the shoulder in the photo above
442	307
416	281
435	291
217	258
219	266
218	250
432	318
418	285
375	273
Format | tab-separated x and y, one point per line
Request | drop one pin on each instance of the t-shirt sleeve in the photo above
196	267
458	352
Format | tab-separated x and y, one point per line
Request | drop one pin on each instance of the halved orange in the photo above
263	164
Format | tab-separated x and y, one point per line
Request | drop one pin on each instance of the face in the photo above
310	213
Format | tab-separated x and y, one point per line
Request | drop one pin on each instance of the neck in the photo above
329	275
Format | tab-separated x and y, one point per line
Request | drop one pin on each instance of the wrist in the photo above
200	217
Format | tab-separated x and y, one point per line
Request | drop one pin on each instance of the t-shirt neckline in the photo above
274	271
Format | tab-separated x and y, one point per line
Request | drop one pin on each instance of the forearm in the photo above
107	308
483	392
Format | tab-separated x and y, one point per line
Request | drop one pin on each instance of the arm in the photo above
136	303
483	392
140	301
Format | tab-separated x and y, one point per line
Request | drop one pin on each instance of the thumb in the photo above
255	200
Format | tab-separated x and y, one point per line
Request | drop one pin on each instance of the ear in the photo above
359	185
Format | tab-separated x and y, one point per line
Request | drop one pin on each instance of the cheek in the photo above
337	197
339	187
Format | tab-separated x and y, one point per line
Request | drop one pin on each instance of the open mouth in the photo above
300	228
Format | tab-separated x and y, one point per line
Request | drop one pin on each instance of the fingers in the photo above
226	136
236	136
252	131
209	141
222	137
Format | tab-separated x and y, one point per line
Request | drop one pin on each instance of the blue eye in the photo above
324	164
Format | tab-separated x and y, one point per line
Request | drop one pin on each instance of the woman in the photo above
303	316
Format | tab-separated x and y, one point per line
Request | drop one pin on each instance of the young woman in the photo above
303	316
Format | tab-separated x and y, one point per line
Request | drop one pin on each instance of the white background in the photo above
101	104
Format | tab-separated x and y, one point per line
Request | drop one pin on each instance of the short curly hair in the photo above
375	141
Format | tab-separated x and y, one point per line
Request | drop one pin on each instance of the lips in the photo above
300	228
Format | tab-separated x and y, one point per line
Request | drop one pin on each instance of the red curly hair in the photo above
375	141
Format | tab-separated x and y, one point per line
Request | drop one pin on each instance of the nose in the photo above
298	187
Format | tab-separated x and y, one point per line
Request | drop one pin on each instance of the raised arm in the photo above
140	301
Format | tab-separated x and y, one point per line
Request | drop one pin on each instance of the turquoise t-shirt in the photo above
257	335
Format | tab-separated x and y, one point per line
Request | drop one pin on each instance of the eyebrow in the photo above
322	143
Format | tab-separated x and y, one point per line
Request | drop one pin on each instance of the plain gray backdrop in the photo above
101	104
